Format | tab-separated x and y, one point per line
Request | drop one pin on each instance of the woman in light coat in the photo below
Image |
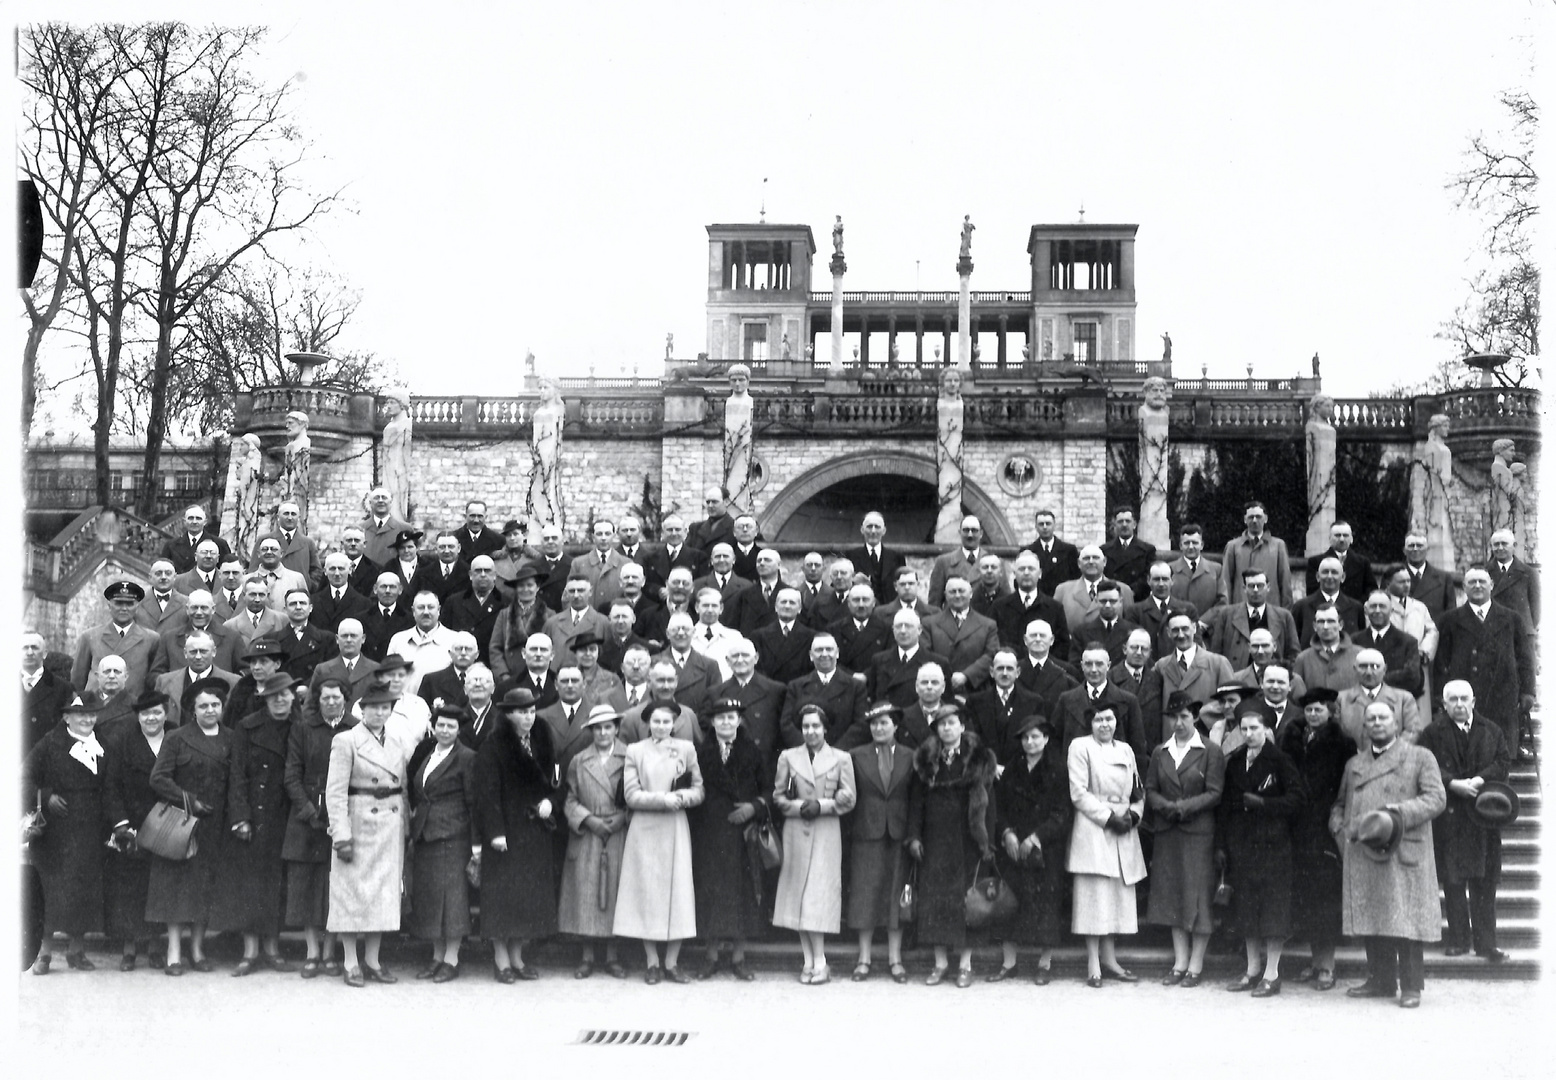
656	900
597	816
814	785
364	800
1105	854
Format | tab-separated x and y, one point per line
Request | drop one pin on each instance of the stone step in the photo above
1520	851
1518	902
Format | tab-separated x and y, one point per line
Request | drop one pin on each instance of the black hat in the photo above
585	639
1496	805
526	572
455	712
208	685
512	526
945	712
91	703
882	708
724	705
379	695
517	698
1038	721
1318	694
124	590
406	534
1179	700
275	684
393	662
150	699
263	647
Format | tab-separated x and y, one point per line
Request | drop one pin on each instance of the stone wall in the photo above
62	622
982	461
1084	468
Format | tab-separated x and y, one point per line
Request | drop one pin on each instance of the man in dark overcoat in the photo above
1488	646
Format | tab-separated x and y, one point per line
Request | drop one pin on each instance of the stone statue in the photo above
1026	353
950	410
669	346
1166	348
394	463
783	348
544	505
738	409
1315	365
1321	440
529	362
837	237
966	252
1520	506
294	468
810	351
1430	476
1152	418
245	475
896	350
1504	489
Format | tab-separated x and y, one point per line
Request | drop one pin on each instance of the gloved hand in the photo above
320	820
742	813
123	836
243	831
500	844
199	808
58	806
811	808
345	850
1220	861
597	827
1117	823
915	850
543	809
1012	847
1252	801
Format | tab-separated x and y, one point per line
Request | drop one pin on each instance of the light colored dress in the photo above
655	900
1106	865
810	884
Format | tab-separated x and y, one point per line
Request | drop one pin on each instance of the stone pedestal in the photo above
951	416
1153	478
838	267
737	451
964	268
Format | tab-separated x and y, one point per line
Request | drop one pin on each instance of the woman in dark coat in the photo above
1262	796
1182	790
305	849
1032	812
442	780
1319	749
195	763
127	799
950	813
737	783
516	811
877	830
64	774
249	891
263	660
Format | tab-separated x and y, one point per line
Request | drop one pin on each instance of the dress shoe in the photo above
430	970
1121	975
899	974
677	976
173	969
1324	981
653	975
1247	982
614	969
1455	950
380	975
79	962
805	973
1002	974
861	973
820	976
739	970
276	963
525	972
964	978
127	962
1495	956
1172	978
40	966
707	970
333	968
202	965
1190	980
1369	989
246	966
1043	976
1266	988
354	978
310	969
585	970
1410	999
446	973
155	960
1094	981
936	977
506	976
1307	974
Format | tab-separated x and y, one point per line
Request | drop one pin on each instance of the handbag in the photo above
34	823
169	831
763	840
1223	896
907	900
988	900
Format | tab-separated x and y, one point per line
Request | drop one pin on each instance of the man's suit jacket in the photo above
364	576
613	652
335	668
567	736
1129	563
1518	589
885	613
882	573
542	686
379	539
1359	579
1012	616
191	580
227	608
1148	692
42	708
1054	678
487	543
889	679
242	624
1434	589
603	572
1076	598
857	648
283	579
733	586
1277	719
155	618
552	579
300	555
561	629
953	562
1113	639
304	653
1401	657
843	699
1227	633
695	681
995	721
820	607
463	611
709	531
659	562
1465	849
984	598
745	561
1069	716
181	553
1208	671
1352	708
1302	612
1203	588
1149	616
969	648
1061	564
445	684
328	612
754	607
764	701
431	578
378	629
175	684
780	656
170	647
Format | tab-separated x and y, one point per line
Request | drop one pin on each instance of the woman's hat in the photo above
452	712
724	705
393	662
1380	832
1179	700
588	637
379	695
406	534
261	647
208	685
89	704
602	714
882	708
150	699
526	572
1240	688
275	684
944	713
1038	721
1319	695
1495	806
517	698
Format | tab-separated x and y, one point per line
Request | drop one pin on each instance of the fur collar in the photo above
974	764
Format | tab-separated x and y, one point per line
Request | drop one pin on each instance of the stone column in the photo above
1004	328
964	269
1320	473
839	268
918	341
738	412
950	418
1430	476
1153	416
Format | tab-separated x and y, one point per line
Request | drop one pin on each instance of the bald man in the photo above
1079	597
477	607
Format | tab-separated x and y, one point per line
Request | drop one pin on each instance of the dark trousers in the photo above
1393	961
1471	920
32	914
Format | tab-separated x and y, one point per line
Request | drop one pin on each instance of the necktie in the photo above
1480	613
635	695
1095	692
883	762
784	628
232	599
1193	563
338	594
724	752
254	616
1183	664
904	658
1091	590
721	580
576	616
162	601
707	632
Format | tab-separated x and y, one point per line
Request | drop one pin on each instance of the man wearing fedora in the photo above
1382	821
1474	758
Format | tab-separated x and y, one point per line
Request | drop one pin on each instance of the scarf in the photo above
86	749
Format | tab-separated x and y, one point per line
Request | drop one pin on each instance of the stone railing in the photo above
77	548
1493	408
976	296
316	401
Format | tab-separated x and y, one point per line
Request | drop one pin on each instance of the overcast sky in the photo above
528	177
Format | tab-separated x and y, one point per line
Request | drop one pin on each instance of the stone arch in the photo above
996	527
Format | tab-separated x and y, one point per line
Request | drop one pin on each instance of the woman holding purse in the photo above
1032	819
442	775
597	816
1105	852
737	785
877	830
950	818
814	786
1182	790
129	753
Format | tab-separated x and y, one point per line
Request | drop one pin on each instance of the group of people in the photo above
668	740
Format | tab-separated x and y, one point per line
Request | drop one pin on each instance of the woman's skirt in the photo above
127	879
1103	905
440	893
1183	875
1315	900
307	894
1038	891
181	891
877	869
1261	903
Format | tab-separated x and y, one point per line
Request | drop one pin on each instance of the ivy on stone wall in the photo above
1124	484
1236	471
1374	497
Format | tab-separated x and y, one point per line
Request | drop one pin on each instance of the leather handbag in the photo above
1223	895
34	823
765	843
907	900
989	900
169	831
